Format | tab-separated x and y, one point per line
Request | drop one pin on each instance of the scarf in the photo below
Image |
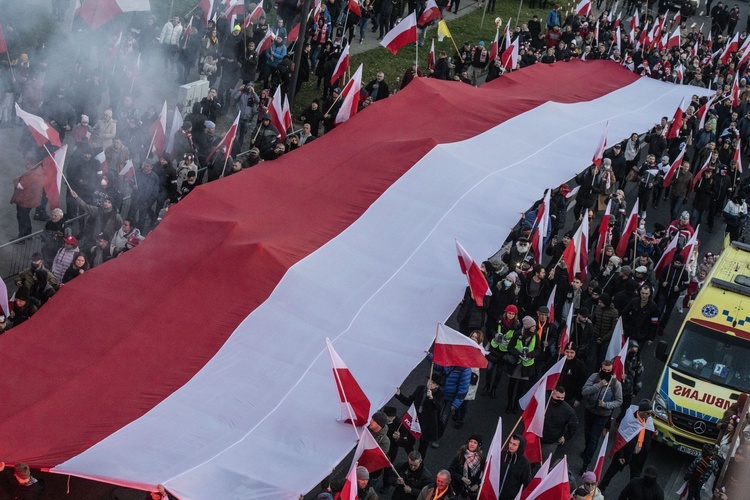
471	463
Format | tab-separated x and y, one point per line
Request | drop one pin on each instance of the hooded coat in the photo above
515	471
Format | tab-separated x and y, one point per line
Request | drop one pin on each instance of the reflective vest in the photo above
519	347
505	338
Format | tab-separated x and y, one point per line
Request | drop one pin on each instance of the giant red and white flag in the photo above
430	13
410	421
341	65
369	454
602	232
158	131
41	131
453	348
540	474
631	226
674	167
401	35
355	406
629	429
97	13
349	491
666	258
691	245
350	97
599	464
356	267
548	380
564	337
533	423
676	124
280	116
601	147
478	284
555	485
541	225
53	174
583	8
227	141
576	254
489	489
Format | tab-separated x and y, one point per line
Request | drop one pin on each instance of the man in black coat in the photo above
413	478
643	488
515	469
428	401
560	423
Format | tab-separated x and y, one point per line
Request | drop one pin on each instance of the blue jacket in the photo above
457	380
553	19
275	54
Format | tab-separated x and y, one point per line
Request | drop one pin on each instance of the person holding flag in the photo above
673	281
560	422
409	478
602	394
632	444
515	468
524	347
573	376
428	401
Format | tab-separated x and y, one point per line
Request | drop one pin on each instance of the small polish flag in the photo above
341	65
453	348
354	402
53	173
576	254
369	454
675	166
676	125
278	113
402	34
616	341
683	491
349	491
491	480
674	39
631	226
128	170
266	43
540	226
555	485
350	96
430	13
40	129
533	422
477	282
731	47
102	159
540	474
294	33
431	56
690	246
700	172
565	333
618	362
599	465
549	380
158	131
602	232
629	429
737	155
599	153
177	122
410	420
509	58
668	255
354	7
494	49
583	8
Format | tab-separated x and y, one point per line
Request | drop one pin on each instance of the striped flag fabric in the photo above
97	13
158	132
674	167
53	174
355	406
599	464
350	96
555	485
341	65
548	380
453	348
631	226
601	147
629	429
576	254
40	129
540	474
401	35
478	284
489	489
533	423
430	13
369	454
353	239
410	421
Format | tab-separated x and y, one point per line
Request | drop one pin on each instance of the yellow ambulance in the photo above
709	363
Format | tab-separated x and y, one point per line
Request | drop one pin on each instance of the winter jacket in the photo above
275	54
642	488
515	472
62	261
428	410
170	34
456	468
560	420
604	319
416	480
640	322
457	381
572	377
611	395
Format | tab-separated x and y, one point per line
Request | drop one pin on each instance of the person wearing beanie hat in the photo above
524	347
589	486
604	319
101	252
560	423
602	395
25	279
64	257
23	307
547	333
467	467
364	490
673	281
645	486
581	333
498	357
573	375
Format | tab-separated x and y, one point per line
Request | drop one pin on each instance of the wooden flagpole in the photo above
58	167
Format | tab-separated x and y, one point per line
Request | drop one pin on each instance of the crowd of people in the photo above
514	324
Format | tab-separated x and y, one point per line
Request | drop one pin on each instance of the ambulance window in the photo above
743	280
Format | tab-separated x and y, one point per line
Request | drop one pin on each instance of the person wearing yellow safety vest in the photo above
525	347
498	356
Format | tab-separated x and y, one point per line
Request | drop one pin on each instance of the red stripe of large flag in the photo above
548	380
629	429
350	96
453	348
477	281
410	420
541	223
53	172
349	491
491	480
599	153
227	141
354	402
369	454
676	125
668	255
555	485
674	167
690	246
341	65
354	7
540	474
3	44
576	254
737	156
533	423
602	232
158	131
402	34
599	464
40	129
564	337
430	13
631	226
276	110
